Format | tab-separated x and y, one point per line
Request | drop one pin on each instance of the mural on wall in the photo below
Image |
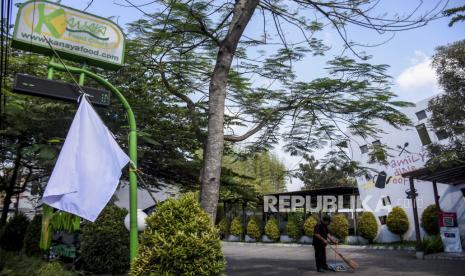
385	188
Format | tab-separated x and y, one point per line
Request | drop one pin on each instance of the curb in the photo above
343	246
444	258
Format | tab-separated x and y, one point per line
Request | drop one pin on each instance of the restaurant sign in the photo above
75	35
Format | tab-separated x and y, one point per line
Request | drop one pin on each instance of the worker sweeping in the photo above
321	238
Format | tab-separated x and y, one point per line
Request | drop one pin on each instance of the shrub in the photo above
223	227
430	220
397	222
253	228
432	244
339	226
309	226
52	268
294	226
272	229
12	236
32	237
180	239
105	242
368	226
236	227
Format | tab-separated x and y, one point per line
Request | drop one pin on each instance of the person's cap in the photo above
326	218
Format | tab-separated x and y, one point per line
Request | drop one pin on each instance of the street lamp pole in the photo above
133	238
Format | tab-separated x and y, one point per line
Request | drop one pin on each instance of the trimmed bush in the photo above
367	226
397	222
272	229
430	220
339	226
236	227
52	268
253	228
223	228
294	226
12	236
309	226
432	244
32	237
105	242
180	239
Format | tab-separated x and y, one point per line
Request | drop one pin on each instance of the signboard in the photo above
75	35
450	234
53	89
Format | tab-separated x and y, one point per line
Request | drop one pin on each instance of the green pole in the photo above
133	238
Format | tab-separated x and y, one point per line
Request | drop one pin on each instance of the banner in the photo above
74	34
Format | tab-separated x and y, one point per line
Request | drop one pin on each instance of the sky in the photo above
408	53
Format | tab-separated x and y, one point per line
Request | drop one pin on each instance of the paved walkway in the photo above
289	261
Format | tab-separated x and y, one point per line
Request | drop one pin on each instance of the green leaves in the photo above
179	239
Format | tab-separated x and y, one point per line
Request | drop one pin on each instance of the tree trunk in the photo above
243	11
9	191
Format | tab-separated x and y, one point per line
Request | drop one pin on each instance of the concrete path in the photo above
258	260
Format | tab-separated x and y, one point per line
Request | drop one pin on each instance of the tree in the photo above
30	136
200	46
329	174
457	14
448	110
263	171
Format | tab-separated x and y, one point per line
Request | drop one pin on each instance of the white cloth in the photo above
88	168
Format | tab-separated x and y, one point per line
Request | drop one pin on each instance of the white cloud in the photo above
419	75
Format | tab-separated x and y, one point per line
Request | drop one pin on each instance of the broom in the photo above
351	263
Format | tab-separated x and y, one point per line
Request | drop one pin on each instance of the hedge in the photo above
367	226
253	228
339	226
32	237
272	229
430	220
12	234
180	239
236	227
397	222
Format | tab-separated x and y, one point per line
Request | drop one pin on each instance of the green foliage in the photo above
32	237
430	220
12	236
179	240
253	228
272	229
367	226
105	242
263	171
236	227
447	109
334	171
457	13
223	227
52	268
339	226
309	226
432	244
19	265
294	225
397	222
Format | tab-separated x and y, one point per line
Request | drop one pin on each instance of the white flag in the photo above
88	168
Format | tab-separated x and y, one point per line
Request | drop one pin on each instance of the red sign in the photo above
447	219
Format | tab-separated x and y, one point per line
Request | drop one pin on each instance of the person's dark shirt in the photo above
321	229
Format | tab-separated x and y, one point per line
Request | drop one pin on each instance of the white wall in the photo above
412	158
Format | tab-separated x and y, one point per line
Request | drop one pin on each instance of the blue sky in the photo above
408	53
